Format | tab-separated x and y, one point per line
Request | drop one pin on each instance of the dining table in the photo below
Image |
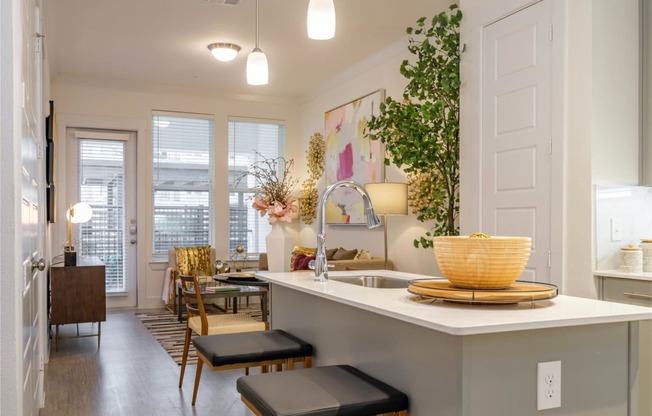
226	287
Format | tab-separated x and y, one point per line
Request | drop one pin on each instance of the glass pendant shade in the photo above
321	19
257	71
224	52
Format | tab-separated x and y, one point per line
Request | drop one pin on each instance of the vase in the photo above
279	243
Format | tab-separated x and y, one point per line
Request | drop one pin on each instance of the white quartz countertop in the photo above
622	275
459	319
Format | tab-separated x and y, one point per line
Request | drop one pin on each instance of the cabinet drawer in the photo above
635	292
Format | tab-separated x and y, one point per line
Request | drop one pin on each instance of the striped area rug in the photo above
169	332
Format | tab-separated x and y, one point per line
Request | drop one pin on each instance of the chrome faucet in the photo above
321	263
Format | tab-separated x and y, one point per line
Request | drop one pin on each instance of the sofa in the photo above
374	263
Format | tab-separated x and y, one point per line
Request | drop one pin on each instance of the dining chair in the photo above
201	323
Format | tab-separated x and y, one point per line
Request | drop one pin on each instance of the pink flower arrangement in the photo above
274	184
276	210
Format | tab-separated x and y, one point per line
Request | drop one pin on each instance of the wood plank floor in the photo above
131	374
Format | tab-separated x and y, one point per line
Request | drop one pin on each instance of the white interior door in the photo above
32	224
101	171
516	131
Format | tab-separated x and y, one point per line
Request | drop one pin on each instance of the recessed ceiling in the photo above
164	42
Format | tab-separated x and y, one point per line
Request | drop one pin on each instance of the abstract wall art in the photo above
350	155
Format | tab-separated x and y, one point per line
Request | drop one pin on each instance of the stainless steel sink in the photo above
379	282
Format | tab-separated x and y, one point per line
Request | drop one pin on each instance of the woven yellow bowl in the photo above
482	263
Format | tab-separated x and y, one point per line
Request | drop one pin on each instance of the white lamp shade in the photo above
224	52
82	212
321	19
257	71
388	198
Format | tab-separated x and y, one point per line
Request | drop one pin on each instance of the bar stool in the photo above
338	390
250	349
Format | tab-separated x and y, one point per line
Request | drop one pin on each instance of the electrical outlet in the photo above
548	385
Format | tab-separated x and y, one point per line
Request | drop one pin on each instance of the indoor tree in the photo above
421	131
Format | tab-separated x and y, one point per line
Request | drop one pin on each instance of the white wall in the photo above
133	108
577	221
11	270
616	86
376	72
602	127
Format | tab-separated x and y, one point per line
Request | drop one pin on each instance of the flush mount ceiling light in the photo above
257	70
224	52
321	19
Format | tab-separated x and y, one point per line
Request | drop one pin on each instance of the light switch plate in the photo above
616	229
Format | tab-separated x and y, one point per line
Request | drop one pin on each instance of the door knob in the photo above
38	264
133	241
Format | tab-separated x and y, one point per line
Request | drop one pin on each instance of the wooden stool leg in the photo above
307	362
250	406
200	364
184	357
289	364
279	367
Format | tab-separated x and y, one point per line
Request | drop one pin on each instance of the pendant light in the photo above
257	70
321	19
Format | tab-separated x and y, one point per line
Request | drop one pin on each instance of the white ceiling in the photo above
164	42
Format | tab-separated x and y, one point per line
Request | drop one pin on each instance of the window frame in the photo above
242	192
209	188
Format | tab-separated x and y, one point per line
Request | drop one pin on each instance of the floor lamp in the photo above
388	198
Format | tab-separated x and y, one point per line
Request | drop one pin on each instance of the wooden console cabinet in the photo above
78	295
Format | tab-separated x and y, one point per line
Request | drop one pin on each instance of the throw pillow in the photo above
330	252
301	261
344	254
193	260
363	255
308	251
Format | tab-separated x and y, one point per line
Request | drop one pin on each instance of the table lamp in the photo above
79	213
388	198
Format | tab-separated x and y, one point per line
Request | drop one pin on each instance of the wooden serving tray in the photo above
238	275
520	291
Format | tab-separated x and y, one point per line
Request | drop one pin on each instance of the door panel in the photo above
101	171
516	131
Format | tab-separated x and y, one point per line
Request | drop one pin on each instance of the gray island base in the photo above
467	370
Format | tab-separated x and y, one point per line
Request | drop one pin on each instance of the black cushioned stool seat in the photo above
333	390
250	349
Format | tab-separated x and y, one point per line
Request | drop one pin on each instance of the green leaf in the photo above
421	131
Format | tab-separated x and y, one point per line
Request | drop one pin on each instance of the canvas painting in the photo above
351	156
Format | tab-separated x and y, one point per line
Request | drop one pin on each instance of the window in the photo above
182	154
249	142
102	186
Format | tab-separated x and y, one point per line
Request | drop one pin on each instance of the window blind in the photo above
102	186
249	142
182	160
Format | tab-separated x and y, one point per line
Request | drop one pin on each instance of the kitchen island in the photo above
467	360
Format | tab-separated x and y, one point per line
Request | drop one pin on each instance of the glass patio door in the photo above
103	169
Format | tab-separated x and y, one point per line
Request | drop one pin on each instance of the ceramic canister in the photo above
631	259
646	247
